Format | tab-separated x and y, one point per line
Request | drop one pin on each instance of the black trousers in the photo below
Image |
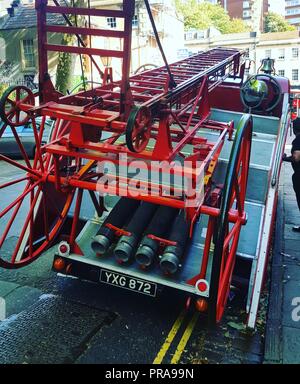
296	185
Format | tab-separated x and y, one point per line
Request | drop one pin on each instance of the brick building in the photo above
292	12
251	11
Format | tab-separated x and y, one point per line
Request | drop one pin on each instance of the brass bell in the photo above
267	65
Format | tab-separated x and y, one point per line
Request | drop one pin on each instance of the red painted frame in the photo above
179	117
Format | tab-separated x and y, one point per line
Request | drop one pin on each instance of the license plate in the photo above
127	282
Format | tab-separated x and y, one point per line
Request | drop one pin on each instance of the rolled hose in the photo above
126	246
173	254
159	226
118	217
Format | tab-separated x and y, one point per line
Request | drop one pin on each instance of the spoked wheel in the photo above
138	130
32	210
226	235
14	103
144	67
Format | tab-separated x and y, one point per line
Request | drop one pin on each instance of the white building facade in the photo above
144	48
284	47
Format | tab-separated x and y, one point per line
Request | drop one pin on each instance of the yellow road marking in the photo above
166	345
185	338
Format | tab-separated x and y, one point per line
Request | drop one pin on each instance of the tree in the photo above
276	23
238	26
205	15
65	67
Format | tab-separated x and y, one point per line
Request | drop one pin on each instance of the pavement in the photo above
282	341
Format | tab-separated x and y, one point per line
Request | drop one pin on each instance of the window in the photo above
294	20
281	55
28	54
295	74
246	14
189	35
295	53
247	55
292	11
281	72
246	4
268	54
135	21
200	35
291	3
112	22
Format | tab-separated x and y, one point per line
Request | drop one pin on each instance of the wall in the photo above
13	50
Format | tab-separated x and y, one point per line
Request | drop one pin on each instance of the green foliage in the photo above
276	23
3	88
205	15
238	26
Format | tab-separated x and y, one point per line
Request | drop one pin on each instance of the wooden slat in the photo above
85	31
83	51
85	11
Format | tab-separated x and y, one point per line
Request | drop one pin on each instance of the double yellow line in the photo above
172	334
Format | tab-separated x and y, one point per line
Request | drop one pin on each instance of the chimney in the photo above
11	11
15	3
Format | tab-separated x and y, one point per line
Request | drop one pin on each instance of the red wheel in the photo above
32	210
227	234
138	130
12	104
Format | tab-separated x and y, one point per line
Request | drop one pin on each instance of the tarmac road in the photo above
54	319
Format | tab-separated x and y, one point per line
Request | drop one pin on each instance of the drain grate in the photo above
51	331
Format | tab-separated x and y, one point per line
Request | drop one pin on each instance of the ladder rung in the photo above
85	31
85	11
143	89
145	82
84	51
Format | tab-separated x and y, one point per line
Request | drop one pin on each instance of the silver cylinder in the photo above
100	244
145	256
123	251
169	263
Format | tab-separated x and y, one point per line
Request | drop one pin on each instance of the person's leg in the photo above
296	185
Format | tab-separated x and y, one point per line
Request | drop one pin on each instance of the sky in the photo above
277	6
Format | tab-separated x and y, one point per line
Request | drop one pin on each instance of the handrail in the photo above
281	142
